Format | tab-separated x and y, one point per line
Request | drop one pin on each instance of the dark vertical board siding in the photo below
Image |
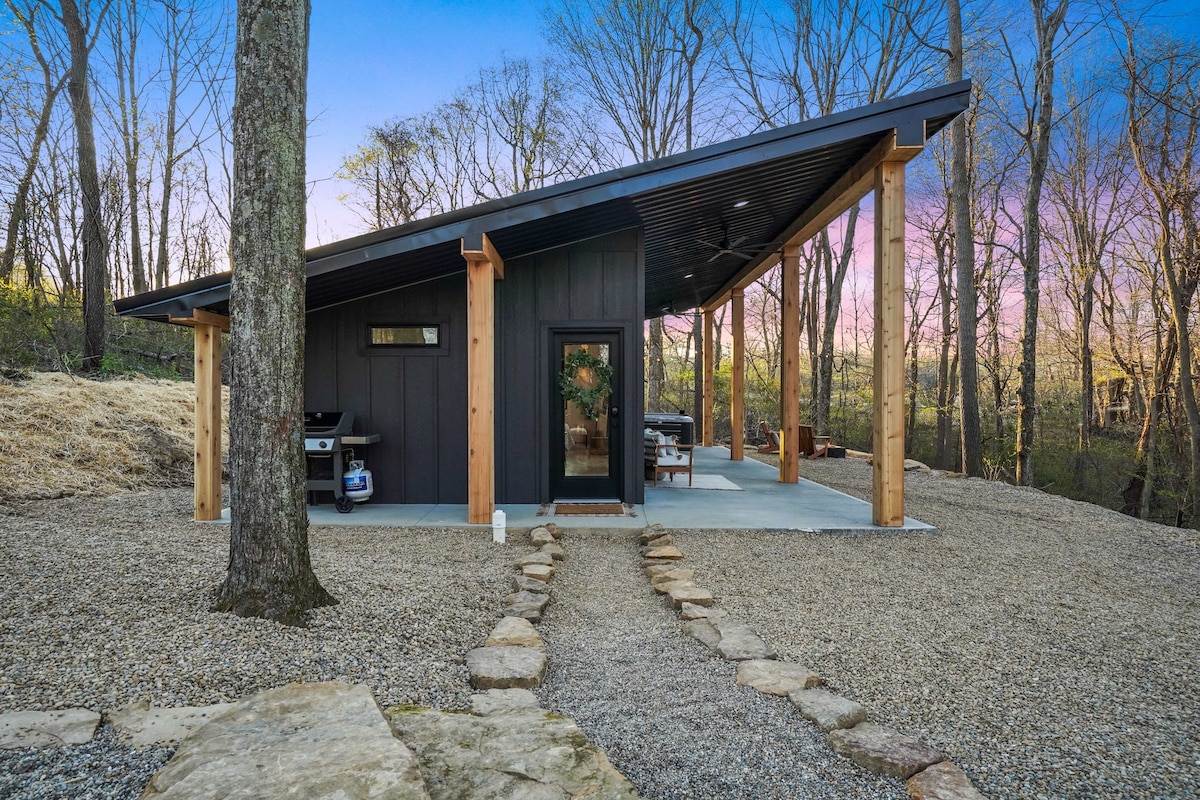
587	287
593	283
321	362
386	458
420	435
450	396
417	402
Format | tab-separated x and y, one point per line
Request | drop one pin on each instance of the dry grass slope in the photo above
61	435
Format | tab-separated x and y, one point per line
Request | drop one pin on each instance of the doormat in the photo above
586	510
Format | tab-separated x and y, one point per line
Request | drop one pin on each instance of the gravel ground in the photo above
103	602
1051	647
665	709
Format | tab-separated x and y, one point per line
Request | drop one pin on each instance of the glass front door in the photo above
586	459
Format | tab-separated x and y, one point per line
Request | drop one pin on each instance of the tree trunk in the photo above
1087	380
95	255
1047	27
655	366
964	247
270	574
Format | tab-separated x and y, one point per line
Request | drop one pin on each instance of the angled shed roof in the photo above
775	178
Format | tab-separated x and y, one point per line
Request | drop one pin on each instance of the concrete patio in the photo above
753	498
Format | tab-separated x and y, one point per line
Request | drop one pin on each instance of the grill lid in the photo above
328	423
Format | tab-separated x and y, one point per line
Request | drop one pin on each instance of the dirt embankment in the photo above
62	435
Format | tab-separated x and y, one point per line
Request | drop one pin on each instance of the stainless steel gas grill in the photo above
324	435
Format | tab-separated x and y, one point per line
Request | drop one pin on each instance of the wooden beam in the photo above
488	253
709	374
851	187
789	392
481	389
206	487
201	317
737	387
888	420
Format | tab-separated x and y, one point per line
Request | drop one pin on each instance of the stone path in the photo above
669	714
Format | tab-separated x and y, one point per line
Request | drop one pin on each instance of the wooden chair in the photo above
667	456
812	446
772	445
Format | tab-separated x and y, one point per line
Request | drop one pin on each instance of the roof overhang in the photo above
771	188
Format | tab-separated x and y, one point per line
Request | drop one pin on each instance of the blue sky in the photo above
372	60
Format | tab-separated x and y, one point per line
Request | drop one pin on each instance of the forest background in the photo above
1052	245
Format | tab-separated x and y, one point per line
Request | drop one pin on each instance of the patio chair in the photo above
813	446
772	445
667	456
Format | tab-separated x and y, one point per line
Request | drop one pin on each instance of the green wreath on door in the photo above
585	397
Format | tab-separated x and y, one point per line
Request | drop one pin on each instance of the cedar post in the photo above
737	388
484	266
709	357
789	394
888	421
206	484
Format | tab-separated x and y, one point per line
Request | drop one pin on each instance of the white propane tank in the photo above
358	482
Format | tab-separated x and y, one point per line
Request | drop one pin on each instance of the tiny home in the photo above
497	350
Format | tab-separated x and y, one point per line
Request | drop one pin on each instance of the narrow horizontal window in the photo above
405	335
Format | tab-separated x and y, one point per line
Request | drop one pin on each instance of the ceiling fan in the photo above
737	247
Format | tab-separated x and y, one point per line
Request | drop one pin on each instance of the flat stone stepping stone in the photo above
318	740
544	559
493	700
703	631
677	574
515	632
553	528
668	553
944	781
881	750
47	728
511	753
661	541
540	536
690	611
538	572
651	533
528	605
506	667
682	592
828	710
776	677
739	642
142	726
659	568
554	550
523	584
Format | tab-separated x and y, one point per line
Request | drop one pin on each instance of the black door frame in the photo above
612	486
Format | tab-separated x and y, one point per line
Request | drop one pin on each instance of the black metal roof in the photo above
680	201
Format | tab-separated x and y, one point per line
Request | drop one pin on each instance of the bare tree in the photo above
81	34
646	66
1086	182
53	79
971	433
1163	94
1034	129
270	573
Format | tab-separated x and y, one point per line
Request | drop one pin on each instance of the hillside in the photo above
62	435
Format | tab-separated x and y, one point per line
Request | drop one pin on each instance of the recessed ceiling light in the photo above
741	204
690	275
